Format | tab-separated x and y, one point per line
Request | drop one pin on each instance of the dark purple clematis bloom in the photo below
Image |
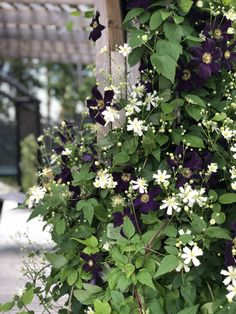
123	179
64	176
207	57
87	157
230	259
91	263
229	56
217	30
192	162
119	217
187	78
138	4
97	28
146	203
98	104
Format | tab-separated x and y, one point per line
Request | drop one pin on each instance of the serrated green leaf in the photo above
168	264
218	233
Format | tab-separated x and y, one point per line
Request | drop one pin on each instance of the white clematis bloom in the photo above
161	177
111	114
230	274
137	126
140	184
190	255
232	291
125	50
172	204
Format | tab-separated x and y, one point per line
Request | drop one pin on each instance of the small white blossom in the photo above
233	149
90	311
137	126
140	184
111	114
190	255
230	31
231	15
199	4
199	198
135	104
171	203
233	172
138	91
232	291
36	194
106	246
66	152
230	275
233	185
103	50
129	110
161	177
183	266
152	100
104	180
227	133
125	50
212	168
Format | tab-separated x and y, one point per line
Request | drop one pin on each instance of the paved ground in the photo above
13	231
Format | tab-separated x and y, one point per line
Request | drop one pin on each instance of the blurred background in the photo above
46	73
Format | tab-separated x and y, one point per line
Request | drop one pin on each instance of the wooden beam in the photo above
56	2
41	17
76	36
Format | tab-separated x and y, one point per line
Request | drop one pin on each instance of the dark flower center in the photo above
217	34
126	177
145	198
207	58
95	25
227	54
186	75
90	263
186	172
101	104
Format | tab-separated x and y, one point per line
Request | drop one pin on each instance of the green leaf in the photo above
57	261
128	227
121	158
102	307
60	227
219	233
72	277
129	269
197	223
194	112
91	241
88	208
130	145
168	264
117	297
190	310
195	100
166	47
164	65
173	32
228	198
145	278
161	139
194	141
220	116
135	56
158	17
132	14
89	295
157	153
185	5
7	306
28	296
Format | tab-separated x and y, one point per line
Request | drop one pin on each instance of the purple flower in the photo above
229	56
123	179
87	157
187	78
91	263
98	104
217	30
119	217
138	4
207	57
146	203
97	28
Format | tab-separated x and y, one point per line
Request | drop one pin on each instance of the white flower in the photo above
36	195
40	138
171	203
191	254
140	184
137	126
111	114
199	198
181	266
230	275
233	149
232	293
230	31
152	100
233	186
187	195
104	180
199	4
212	168
66	152
231	15
233	172
125	50
161	177
89	311
103	50
182	232
106	246
227	133
135	104
138	91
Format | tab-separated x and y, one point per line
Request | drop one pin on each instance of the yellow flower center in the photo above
90	263
186	75
101	104
227	54
217	33
207	58
186	172
145	198
126	177
95	25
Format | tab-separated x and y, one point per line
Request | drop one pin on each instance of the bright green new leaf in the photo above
168	264
28	296
185	5
128	227
5	307
129	269
102	307
228	198
72	277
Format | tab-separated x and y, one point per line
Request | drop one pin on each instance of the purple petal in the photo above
96	93
204	70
